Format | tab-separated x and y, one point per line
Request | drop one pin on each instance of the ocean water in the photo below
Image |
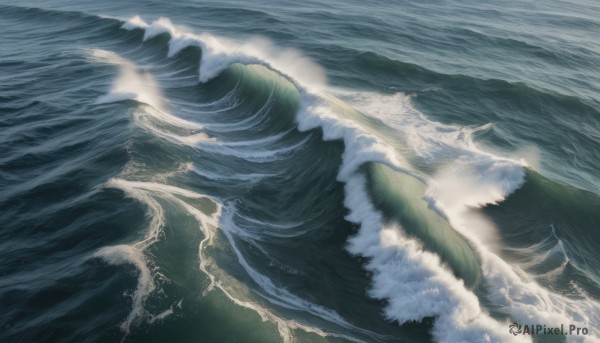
316	171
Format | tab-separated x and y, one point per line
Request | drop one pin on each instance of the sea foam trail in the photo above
127	254
459	315
275	294
241	295
134	253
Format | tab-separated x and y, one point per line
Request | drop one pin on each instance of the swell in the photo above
418	76
44	14
398	198
527	48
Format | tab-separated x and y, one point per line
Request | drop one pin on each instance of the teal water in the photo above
285	172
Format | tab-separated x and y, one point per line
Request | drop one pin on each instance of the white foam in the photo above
106	57
141	118
479	177
161	315
133	187
130	83
360	146
469	177
219	53
121	254
134	22
134	253
167	118
155	211
473	181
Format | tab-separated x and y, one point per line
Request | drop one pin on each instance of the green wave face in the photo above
399	197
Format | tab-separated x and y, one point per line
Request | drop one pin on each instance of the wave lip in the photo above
218	53
131	83
413	280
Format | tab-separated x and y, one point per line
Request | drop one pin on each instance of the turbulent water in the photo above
320	171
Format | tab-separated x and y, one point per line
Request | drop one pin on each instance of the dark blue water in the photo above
314	172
